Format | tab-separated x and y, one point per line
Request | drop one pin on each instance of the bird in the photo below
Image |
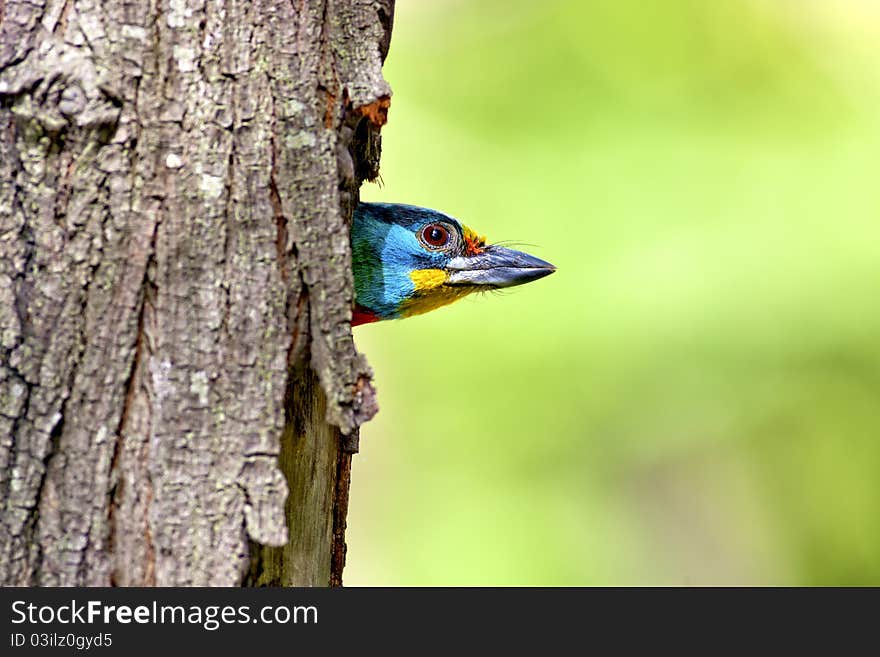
408	260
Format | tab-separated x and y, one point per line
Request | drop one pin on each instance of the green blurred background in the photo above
694	398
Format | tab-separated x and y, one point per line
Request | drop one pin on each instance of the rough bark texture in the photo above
176	178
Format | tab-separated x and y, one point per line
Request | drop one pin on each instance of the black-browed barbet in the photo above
409	260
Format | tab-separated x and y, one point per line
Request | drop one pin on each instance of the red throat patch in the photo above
362	316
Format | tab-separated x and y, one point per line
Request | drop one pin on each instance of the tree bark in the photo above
179	389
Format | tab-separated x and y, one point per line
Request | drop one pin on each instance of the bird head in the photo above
409	260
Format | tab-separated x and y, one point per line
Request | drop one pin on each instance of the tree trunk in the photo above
179	389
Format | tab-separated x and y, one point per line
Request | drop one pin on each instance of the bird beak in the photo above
495	267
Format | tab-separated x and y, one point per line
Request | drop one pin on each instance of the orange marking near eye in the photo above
474	244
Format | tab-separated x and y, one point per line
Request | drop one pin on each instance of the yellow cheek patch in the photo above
427	279
431	292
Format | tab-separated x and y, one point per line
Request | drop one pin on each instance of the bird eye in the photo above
435	236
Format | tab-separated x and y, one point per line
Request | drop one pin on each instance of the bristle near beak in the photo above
497	267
